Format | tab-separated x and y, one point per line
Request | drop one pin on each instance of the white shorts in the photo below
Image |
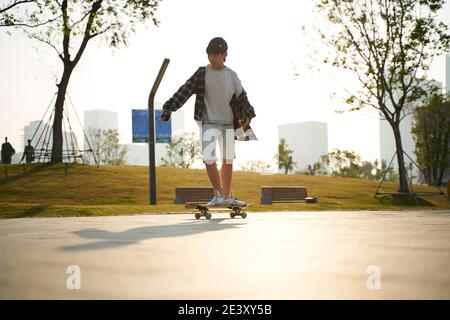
213	133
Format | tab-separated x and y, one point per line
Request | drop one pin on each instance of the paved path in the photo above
304	255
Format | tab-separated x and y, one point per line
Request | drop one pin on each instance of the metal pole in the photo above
151	132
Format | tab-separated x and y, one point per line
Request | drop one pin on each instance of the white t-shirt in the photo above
220	86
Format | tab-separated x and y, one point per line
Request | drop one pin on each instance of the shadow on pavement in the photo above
108	240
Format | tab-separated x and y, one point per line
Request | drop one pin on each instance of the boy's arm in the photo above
247	109
180	97
244	111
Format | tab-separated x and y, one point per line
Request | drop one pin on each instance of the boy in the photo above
224	114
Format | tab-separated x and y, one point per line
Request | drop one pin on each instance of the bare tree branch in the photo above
49	43
32	26
15	3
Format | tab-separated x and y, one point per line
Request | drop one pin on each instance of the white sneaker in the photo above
231	201
217	200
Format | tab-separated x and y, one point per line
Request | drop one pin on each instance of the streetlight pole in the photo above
151	132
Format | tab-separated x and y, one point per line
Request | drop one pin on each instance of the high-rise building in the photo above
94	120
308	140
100	119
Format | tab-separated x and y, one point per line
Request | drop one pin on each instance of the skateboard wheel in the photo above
244	215
232	215
197	215
208	215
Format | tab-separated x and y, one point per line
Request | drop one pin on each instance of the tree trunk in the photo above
57	148
445	155
404	185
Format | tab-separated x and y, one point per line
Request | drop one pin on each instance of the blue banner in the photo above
163	129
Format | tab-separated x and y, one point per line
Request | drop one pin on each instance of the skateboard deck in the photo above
203	209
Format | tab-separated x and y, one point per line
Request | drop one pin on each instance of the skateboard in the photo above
203	210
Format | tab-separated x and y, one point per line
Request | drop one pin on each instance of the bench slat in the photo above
282	194
193	194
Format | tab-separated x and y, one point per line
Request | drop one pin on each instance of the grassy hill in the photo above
75	190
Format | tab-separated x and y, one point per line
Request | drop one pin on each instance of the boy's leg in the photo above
208	136
227	174
213	175
226	144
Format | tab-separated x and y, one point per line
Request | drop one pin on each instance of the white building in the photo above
137	153
308	140
387	140
98	119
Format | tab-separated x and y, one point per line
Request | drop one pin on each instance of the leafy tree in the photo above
113	152
339	163
72	25
349	164
12	13
431	132
183	151
390	174
105	146
284	157
388	45
255	166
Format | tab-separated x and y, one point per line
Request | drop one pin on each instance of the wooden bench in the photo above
193	194
285	194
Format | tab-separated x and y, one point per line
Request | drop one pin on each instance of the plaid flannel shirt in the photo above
240	105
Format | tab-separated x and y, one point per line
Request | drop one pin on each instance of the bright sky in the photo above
265	50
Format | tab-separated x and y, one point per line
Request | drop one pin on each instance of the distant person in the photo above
7	152
28	153
223	113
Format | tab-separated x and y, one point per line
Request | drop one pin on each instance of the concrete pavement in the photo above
303	255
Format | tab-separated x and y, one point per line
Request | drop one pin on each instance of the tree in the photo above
348	164
340	163
74	24
182	152
255	166
11	14
388	45
113	152
105	146
390	174
284	157
431	132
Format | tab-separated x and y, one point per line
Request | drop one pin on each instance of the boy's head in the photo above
217	51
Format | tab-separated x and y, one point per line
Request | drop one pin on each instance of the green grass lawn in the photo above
43	190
